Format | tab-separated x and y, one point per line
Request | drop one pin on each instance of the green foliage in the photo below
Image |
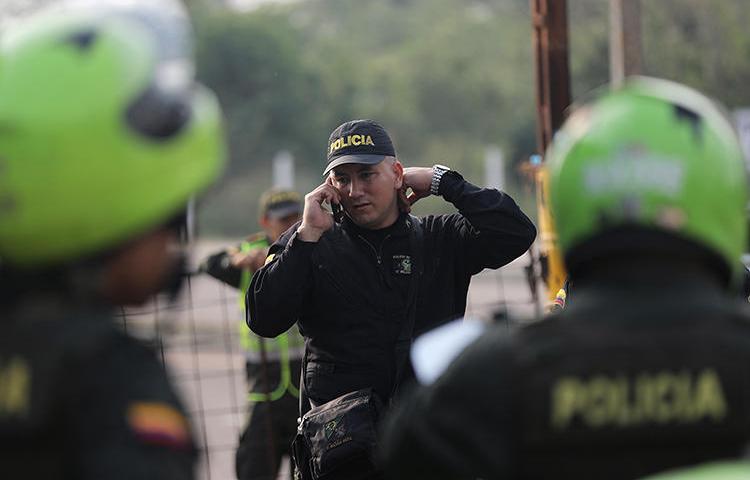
254	64
703	44
446	77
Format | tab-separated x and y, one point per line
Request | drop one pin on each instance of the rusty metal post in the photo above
550	43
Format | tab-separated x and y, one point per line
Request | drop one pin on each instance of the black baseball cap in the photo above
279	203
358	141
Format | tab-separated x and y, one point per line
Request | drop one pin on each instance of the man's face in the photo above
143	267
369	193
274	227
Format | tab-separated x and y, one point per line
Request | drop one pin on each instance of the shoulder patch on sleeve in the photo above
269	259
159	423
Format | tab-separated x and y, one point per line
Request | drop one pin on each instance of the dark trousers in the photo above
270	429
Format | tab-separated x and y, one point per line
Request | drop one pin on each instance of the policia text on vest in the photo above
15	386
660	397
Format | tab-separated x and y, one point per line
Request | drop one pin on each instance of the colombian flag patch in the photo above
158	423
561	297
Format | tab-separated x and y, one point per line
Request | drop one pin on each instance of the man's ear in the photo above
398	170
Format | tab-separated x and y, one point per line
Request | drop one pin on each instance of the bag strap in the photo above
304	401
404	339
416	244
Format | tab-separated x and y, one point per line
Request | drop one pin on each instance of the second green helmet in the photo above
655	155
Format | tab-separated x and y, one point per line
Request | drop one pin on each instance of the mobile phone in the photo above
338	212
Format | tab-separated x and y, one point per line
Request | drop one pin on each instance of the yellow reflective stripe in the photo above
285	383
247	341
247	275
251	342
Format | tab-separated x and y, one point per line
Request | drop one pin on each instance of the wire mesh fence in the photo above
197	337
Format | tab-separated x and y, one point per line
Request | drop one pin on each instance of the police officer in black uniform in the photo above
347	283
101	150
648	368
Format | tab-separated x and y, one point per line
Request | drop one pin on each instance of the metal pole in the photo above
550	38
550	42
624	40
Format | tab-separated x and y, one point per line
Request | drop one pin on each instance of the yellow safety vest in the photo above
278	348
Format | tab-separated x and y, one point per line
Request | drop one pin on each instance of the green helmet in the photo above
720	470
103	132
655	155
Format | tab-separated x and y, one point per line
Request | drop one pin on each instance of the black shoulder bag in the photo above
338	439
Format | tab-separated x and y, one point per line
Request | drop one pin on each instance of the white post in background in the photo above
494	168
742	122
624	40
283	170
190	223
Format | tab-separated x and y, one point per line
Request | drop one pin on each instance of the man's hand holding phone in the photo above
316	220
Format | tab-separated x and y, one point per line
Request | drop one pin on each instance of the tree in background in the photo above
446	77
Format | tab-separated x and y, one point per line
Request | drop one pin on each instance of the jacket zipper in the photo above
378	252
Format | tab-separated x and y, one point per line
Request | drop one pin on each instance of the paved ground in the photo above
198	340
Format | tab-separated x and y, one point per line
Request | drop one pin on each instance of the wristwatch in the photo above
437	174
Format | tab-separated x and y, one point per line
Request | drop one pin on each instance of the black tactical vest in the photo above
620	394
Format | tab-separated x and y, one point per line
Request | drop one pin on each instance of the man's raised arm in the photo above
278	290
491	228
494	230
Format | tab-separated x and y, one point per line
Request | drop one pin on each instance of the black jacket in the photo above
81	399
644	371
348	290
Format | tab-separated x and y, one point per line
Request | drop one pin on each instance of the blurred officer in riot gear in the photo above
104	138
648	368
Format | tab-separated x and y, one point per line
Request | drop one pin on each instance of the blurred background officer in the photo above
104	137
648	368
273	366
